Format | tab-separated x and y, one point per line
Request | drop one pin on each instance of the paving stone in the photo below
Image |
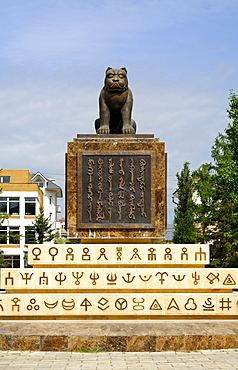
227	360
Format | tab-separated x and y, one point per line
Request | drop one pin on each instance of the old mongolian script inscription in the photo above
116	189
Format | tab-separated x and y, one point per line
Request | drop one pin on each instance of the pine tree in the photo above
214	188
225	215
204	191
43	228
184	220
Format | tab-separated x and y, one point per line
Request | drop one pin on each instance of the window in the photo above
39	182
9	205
3	235
26	260
14	206
13	261
4	178
9	235
30	235
30	206
14	235
3	205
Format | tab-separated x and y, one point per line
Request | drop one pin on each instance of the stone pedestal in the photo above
104	281
116	188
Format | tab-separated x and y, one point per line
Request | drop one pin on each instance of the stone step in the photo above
118	335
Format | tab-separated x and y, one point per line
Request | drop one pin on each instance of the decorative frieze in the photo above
119	304
119	280
146	279
118	254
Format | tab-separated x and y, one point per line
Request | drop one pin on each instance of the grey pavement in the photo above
207	359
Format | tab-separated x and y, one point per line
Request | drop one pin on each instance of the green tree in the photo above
214	190
184	220
43	228
204	191
225	215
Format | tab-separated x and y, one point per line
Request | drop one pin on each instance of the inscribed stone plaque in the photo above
115	189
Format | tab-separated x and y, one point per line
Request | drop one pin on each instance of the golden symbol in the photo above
121	304
55	252
36	254
190	305
112	279
103	301
50	305
30	306
211	277
155	305
208	306
138	306
173	304
179	278
68	305
145	278
229	280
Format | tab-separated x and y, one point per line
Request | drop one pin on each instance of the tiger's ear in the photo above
108	69
124	69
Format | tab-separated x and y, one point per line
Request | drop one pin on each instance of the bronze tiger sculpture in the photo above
115	104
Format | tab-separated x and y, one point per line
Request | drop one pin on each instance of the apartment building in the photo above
22	196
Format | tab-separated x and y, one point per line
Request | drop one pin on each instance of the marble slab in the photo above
119	304
65	279
118	254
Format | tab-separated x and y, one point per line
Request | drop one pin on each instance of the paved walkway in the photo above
217	359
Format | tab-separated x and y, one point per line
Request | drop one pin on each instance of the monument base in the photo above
114	336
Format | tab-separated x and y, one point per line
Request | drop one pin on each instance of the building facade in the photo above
21	198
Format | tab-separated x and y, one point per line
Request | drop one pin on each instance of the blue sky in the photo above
182	61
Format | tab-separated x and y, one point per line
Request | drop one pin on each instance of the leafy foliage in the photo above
43	228
184	225
3	262
60	240
225	156
203	187
212	201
